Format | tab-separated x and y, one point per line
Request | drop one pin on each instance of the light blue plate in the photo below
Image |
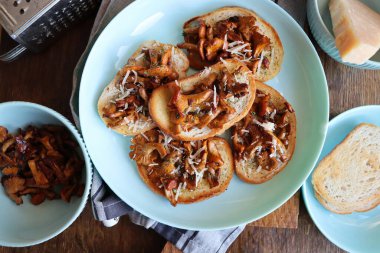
357	232
301	80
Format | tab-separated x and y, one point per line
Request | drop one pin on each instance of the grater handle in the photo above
13	54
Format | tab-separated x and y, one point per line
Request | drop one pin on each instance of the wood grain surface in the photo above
286	216
46	78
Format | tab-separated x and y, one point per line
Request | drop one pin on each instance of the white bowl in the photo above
318	15
27	224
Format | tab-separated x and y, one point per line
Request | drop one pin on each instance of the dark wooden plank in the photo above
305	239
286	216
296	9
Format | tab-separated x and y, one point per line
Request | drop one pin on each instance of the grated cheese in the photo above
124	94
140	109
197	153
198	175
176	170
244	131
125	79
274	141
139	56
268	126
191	161
214	97
153	164
178	191
135	126
172	56
273	114
143	135
135	73
281	149
238	42
176	82
241	77
126	120
224	62
274	144
205	72
260	62
258	169
225	44
237	49
259	149
175	148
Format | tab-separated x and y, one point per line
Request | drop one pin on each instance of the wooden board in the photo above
285	216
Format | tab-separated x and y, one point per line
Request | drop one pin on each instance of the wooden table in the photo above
46	79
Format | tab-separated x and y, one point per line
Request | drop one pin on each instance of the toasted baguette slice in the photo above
178	62
255	138
274	52
348	179
151	175
160	110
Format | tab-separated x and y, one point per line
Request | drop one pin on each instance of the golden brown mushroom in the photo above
165	59
213	47
143	153
3	134
181	102
214	158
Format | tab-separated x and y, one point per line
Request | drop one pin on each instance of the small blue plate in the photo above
357	232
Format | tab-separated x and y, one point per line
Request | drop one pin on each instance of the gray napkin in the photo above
107	207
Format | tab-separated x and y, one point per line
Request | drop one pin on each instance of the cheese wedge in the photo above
356	28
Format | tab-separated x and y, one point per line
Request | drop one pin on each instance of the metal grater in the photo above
34	24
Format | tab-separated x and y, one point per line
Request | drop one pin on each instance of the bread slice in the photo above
203	190
252	135
274	53
179	63
348	179
159	103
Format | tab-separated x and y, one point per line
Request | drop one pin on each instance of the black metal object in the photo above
35	24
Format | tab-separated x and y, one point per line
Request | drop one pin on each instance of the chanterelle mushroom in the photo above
182	102
144	152
3	134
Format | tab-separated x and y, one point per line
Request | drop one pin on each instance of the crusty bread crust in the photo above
247	172
203	191
264	27
329	170
159	111
181	64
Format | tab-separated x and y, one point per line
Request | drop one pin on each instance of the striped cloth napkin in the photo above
107	207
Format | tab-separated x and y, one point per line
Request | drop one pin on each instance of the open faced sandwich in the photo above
204	104
183	172
123	105
265	139
233	32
